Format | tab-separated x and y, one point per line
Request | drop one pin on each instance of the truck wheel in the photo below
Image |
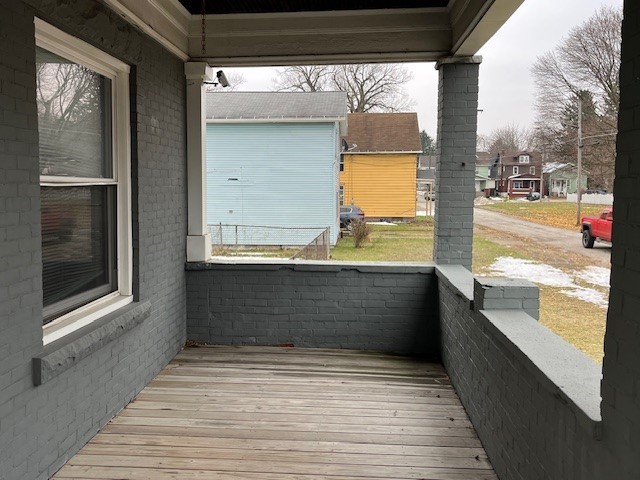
587	239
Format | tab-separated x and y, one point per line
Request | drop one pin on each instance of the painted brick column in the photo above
621	367
198	238
455	171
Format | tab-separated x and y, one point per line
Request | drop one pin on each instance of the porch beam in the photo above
456	158
198	238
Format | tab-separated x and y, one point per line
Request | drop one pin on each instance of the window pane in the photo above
77	246
74	118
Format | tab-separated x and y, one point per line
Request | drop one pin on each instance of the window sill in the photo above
84	316
67	351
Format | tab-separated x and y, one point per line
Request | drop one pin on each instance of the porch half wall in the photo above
85	383
533	398
387	308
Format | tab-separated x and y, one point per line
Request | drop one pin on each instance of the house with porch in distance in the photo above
96	303
518	174
561	179
485	184
272	166
378	166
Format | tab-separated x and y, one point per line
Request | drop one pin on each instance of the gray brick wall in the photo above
455	170
40	427
621	368
523	420
378	308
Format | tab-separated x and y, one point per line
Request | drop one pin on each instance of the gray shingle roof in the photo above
263	105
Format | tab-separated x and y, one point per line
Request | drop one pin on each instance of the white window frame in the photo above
341	195
523	159
532	170
516	170
74	49
518	184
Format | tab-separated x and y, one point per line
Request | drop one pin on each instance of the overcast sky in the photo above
506	86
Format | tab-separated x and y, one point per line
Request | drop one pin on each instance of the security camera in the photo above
222	78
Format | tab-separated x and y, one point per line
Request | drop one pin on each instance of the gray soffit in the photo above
284	32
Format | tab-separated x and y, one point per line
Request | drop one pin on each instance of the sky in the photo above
506	85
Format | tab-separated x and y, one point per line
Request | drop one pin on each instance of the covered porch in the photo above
540	409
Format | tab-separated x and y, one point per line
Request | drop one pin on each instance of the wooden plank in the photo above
120	473
366	414
322	387
315	427
294	376
355	471
160	395
333	458
424	440
107	438
284	417
292	394
303	380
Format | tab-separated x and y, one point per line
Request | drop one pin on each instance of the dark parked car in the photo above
533	196
349	213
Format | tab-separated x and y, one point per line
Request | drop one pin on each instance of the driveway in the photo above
554	237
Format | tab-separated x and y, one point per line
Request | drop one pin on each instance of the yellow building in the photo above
378	164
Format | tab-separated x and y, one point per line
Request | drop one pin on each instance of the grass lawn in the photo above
559	214
580	323
404	242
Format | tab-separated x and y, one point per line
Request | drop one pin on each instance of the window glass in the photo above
74	118
77	246
77	192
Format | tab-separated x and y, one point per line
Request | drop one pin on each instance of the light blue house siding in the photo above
270	179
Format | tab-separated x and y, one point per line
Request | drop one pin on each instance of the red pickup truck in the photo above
596	228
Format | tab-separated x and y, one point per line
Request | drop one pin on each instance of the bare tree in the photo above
303	78
584	65
373	87
511	138
369	87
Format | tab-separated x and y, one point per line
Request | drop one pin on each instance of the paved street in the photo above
554	237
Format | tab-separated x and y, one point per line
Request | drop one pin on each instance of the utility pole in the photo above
544	159
579	180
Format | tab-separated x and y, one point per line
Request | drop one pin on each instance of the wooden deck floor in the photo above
266	413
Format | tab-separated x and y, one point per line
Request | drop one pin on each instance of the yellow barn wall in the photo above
381	185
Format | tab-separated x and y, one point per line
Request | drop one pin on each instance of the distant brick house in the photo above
518	174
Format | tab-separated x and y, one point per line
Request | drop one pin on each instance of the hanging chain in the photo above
204	28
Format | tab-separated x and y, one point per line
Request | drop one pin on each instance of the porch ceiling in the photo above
283	32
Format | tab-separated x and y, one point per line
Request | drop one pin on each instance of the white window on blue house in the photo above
83	123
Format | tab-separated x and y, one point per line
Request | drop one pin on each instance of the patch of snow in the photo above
382	223
588	295
595	276
532	271
544	274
